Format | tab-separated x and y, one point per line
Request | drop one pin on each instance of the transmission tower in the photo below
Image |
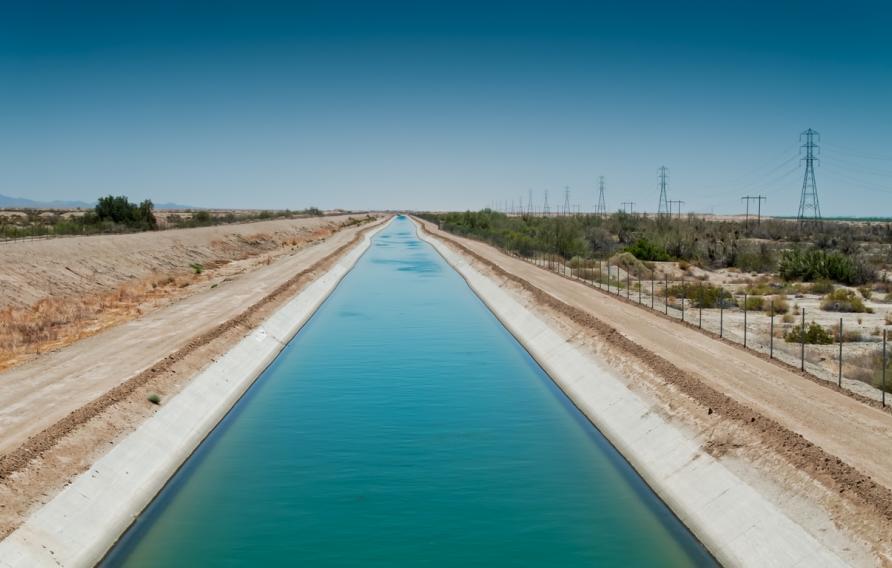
545	209
602	203
530	203
809	207
566	209
663	207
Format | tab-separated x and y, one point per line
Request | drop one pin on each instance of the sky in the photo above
447	104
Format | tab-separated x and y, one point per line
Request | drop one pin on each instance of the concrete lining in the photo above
80	524
737	523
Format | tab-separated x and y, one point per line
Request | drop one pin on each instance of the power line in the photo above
631	205
566	209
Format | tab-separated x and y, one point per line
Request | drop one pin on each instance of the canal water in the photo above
405	426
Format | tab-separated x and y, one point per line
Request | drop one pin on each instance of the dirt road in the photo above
859	434
41	392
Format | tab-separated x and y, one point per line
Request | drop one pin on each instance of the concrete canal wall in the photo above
80	524
738	524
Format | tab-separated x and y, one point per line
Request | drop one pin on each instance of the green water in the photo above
405	426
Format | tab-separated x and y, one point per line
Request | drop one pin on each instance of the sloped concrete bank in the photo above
79	525
733	519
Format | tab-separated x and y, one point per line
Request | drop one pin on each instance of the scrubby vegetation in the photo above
814	334
116	214
834	252
843	300
816	264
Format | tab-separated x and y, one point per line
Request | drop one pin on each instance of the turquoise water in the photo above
405	426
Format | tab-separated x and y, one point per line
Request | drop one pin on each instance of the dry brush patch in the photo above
54	322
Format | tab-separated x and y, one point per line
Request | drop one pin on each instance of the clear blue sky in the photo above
445	104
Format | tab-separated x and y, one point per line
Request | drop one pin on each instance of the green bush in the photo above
843	300
154	398
644	249
752	303
706	296
814	335
816	264
197	268
822	286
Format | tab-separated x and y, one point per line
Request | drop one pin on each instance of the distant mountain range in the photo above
23	203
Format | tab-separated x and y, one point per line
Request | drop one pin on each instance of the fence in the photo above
797	337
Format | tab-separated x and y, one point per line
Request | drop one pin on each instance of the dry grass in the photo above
53	323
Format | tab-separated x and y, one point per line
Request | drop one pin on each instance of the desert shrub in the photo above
843	300
154	398
705	296
630	264
644	249
814	264
866	292
822	286
776	305
788	318
814	335
751	303
197	268
684	265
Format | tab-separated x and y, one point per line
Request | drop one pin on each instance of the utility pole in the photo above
530	204
678	203
809	207
545	210
663	206
759	199
631	205
602	202
566	209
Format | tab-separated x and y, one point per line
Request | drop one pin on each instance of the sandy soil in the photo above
61	411
63	290
833	450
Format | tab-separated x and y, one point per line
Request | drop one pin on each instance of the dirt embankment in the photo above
58	414
739	418
55	292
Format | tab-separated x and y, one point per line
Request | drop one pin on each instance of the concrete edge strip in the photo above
736	523
80	524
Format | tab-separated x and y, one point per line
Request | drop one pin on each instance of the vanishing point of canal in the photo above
405	426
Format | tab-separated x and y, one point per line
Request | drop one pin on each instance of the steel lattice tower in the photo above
545	210
809	207
602	203
530	203
663	206
566	209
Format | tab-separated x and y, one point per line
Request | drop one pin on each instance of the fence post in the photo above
700	321
653	278
744	320
884	368
608	275
839	380
684	296
628	283
802	343
721	312
639	287
771	332
666	294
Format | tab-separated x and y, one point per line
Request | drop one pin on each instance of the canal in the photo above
405	426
